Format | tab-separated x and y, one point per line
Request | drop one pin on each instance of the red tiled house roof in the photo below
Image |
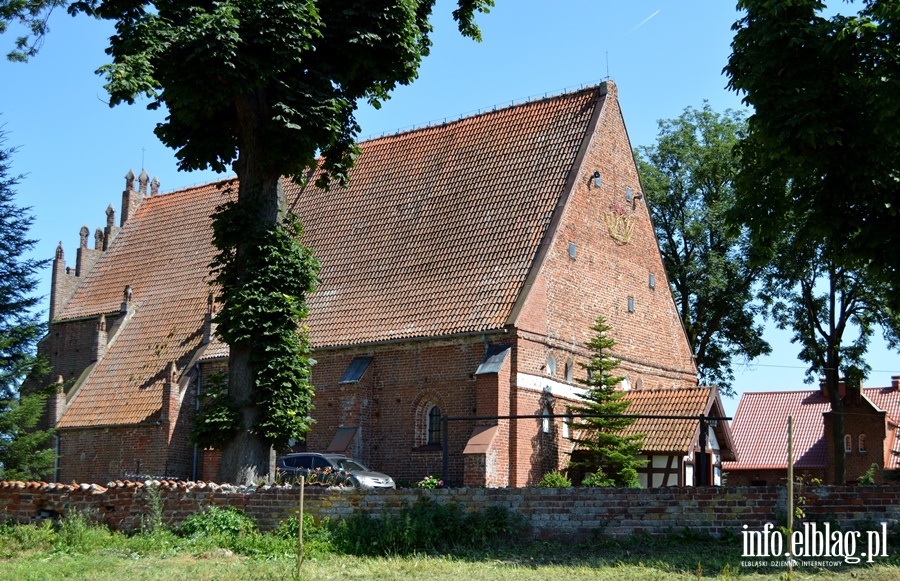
435	236
664	435
760	428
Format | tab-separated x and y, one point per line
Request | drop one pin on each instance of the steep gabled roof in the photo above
435	236
760	427
162	253
440	226
665	435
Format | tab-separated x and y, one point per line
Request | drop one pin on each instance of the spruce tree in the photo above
24	454
601	451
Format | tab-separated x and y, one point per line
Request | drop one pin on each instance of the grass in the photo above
234	549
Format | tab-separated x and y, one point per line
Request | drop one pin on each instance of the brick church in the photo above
461	272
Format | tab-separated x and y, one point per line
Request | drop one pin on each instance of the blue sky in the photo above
663	55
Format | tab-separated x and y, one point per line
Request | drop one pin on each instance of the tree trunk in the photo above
248	458
832	378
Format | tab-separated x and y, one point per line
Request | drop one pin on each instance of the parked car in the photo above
332	469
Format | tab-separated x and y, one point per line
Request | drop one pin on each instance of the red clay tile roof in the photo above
674	435
162	253
760	427
435	235
439	227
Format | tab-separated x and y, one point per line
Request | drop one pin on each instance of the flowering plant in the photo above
430	483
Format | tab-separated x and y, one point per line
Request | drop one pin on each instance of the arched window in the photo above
569	366
848	444
434	425
862	442
551	365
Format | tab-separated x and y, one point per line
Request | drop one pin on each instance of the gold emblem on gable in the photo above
620	223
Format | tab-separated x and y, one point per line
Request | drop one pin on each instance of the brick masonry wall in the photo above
390	403
551	513
569	293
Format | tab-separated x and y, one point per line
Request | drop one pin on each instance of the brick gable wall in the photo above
568	293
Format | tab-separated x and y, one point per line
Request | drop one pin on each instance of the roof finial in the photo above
128	294
83	236
98	239
143	180
154	186
110	217
59	251
129	180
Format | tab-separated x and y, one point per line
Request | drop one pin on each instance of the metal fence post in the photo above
445	448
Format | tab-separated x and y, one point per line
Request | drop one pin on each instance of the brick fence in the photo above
551	513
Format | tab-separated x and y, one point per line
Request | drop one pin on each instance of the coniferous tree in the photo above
607	456
23	450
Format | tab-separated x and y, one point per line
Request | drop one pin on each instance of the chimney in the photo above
111	230
127	295
86	256
56	404
131	199
852	390
169	410
895	383
63	283
842	387
100	341
209	326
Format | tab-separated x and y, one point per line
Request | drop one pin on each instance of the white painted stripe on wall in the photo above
542	385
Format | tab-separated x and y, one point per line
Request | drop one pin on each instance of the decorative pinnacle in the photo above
154	186
83	236
110	217
129	180
143	180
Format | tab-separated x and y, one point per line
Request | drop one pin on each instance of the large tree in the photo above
833	311
601	451
819	162
23	450
264	87
826	123
688	177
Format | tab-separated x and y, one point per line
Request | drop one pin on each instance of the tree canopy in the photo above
818	187
688	176
270	88
833	310
825	132
23	449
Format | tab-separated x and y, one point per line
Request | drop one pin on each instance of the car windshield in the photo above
348	465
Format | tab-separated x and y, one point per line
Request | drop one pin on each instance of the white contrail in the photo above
643	22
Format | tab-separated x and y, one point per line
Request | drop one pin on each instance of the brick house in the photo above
461	273
759	428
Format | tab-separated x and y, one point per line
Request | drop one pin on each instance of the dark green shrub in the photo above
555	479
214	521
